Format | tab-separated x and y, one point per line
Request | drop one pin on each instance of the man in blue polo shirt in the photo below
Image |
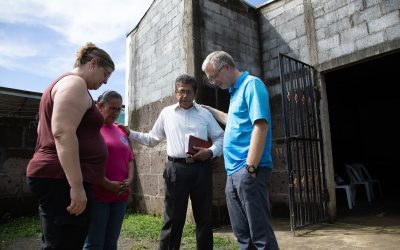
247	151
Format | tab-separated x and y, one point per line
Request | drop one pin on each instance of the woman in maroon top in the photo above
70	151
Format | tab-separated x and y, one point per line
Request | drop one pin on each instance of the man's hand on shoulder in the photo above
124	128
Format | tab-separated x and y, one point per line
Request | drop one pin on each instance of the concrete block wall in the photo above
156	53
282	30
232	27
346	27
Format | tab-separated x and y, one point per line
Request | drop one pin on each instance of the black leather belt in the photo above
187	160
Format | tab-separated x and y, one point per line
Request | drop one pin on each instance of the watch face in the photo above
251	169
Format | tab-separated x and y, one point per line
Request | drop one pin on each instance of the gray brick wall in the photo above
345	27
235	30
156	53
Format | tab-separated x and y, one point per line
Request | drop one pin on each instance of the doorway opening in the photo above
363	105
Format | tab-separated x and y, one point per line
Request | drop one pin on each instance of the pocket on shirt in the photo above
198	129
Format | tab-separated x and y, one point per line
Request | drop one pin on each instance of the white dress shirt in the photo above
176	124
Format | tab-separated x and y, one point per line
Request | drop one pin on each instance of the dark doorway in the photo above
363	108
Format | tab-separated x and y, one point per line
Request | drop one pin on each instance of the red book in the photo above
195	141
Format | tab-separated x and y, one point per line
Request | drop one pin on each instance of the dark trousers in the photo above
181	182
60	230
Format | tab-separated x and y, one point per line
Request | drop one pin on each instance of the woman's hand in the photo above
117	187
78	200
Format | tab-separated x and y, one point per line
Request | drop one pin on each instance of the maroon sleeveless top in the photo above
92	148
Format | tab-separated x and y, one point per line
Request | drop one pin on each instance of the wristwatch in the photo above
251	169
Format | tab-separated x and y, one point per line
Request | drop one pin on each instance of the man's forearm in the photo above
257	142
218	114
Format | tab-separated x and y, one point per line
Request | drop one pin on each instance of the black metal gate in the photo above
304	147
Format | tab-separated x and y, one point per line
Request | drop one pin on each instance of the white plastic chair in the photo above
356	179
364	174
340	184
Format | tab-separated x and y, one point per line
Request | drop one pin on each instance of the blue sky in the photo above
39	38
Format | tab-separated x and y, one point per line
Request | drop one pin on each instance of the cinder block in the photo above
370	40
384	22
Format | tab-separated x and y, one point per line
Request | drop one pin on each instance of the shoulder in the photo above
71	84
73	89
169	109
203	111
254	84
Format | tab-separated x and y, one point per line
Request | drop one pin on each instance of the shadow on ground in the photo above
367	226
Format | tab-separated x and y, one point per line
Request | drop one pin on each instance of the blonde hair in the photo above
89	51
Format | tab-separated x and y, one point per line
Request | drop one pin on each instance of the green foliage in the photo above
145	232
141	231
139	226
17	228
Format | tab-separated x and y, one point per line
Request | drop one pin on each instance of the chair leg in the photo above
367	189
349	198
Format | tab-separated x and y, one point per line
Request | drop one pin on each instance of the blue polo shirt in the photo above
249	102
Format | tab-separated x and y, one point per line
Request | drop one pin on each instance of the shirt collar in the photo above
238	82
195	105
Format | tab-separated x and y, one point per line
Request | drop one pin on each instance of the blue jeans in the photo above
248	206
105	226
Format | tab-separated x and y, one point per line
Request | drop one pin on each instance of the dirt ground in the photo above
367	226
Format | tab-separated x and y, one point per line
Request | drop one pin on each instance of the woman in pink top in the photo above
111	198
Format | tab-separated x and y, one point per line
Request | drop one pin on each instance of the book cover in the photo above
195	141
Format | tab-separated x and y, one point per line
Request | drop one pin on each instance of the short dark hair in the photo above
186	79
108	96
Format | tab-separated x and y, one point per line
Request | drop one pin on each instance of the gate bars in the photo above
304	146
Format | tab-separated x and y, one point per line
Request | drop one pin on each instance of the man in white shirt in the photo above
185	175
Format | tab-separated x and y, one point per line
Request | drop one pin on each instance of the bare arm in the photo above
220	116
70	97
257	142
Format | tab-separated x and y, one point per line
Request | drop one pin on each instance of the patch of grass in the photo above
141	227
145	231
23	227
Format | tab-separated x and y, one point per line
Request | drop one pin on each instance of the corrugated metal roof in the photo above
18	103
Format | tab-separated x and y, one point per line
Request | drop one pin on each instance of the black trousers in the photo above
181	182
60	230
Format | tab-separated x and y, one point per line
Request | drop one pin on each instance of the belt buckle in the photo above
189	159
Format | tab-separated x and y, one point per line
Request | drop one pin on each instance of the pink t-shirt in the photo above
117	165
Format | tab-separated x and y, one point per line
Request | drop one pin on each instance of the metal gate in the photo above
304	147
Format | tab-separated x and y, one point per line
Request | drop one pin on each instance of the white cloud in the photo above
17	50
40	37
100	21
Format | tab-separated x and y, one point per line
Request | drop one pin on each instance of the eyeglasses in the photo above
211	79
106	73
184	91
113	109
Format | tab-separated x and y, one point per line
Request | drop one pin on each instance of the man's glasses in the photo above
184	91
211	79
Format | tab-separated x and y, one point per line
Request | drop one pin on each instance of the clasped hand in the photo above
203	154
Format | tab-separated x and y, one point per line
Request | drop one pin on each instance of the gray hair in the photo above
108	96
218	59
